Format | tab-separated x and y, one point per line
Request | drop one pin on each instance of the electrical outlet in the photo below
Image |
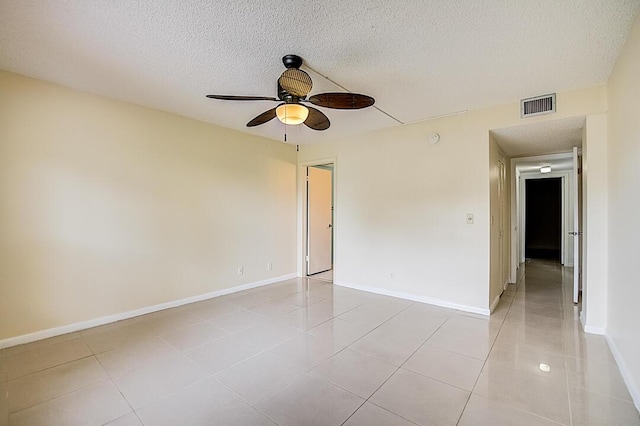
269	266
469	218
240	270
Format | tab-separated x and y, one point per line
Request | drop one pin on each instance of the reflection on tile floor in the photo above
303	352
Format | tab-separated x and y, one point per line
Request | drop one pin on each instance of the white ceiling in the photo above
418	59
541	138
558	163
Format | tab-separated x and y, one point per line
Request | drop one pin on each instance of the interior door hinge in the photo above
306	258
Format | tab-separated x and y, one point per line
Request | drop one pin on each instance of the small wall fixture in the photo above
545	169
292	114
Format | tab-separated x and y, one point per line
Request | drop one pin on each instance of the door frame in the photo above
301	266
517	206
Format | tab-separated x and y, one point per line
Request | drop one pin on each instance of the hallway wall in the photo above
624	210
594	224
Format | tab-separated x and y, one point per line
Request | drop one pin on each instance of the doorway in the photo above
565	172
319	221
543	213
527	169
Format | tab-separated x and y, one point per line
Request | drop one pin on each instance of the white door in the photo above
576	233
319	220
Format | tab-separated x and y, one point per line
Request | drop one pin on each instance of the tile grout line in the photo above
563	356
247	402
49	368
491	349
486	359
119	390
403	363
57	396
333	355
397	367
262	351
12	413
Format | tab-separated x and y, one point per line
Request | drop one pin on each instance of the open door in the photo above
577	226
319	220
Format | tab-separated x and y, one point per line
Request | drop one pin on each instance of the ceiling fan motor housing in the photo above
292	61
285	96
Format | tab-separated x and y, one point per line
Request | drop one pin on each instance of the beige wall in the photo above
400	210
401	203
108	207
624	210
594	223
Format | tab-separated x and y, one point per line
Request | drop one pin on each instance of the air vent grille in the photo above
537	106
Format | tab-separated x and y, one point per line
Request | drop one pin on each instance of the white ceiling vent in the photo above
537	106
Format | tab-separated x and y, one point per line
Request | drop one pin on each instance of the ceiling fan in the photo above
293	87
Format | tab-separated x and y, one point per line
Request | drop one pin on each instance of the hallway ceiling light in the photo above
545	169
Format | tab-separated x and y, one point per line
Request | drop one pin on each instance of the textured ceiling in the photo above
418	58
540	138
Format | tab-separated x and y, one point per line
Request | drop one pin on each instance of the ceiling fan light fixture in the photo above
292	114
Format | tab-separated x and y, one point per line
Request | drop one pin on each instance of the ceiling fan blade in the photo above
263	118
317	120
339	100
241	98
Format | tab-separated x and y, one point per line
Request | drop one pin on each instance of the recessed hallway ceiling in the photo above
545	137
558	163
418	59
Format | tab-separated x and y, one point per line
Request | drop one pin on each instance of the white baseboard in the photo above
415	298
590	328
594	330
634	388
83	325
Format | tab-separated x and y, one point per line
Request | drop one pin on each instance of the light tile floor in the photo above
303	352
324	276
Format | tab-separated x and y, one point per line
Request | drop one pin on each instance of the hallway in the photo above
542	362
